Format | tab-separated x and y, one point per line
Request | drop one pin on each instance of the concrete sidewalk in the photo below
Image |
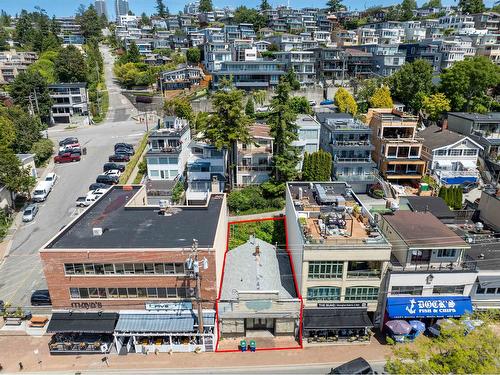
33	353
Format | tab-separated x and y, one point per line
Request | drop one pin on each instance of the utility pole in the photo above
36	102
196	269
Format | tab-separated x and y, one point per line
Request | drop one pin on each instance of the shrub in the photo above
271	231
265	197
43	150
177	192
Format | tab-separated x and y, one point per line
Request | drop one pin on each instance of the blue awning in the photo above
428	307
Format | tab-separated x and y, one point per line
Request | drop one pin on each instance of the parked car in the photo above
42	191
489	189
97	185
67	157
41	297
312	103
262	109
327	102
119	158
52	178
85	201
111	166
67	141
113	172
30	212
125	151
468	186
108	180
124	145
70	147
356	366
2	305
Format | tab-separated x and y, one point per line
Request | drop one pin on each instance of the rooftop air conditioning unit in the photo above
97	231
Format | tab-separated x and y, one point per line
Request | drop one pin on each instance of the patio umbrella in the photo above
417	325
399	327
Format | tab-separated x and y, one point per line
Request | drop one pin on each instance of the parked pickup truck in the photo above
85	201
67	158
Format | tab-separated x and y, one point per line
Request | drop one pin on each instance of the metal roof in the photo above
167	323
82	322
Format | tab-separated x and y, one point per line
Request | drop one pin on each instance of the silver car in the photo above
30	212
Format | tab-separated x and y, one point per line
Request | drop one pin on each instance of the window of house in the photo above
480	290
446	253
470	152
448	289
361	293
491	290
325	270
440	152
454	152
154	173
246	179
411	290
392	151
323	293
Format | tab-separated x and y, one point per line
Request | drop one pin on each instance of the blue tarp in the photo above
458	180
428	307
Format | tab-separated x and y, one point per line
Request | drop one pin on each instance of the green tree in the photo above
407	8
259	96
467	83
381	98
161	9
284	131
24	28
471	6
345	102
46	68
412	82
250	107
19	130
242	14
432	4
7	131
292	79
179	107
300	105
70	65
264	5
177	192
205	6
4	36
133	54
145	20
364	90
334	5
43	150
193	55
12	175
90	23
317	166
228	124
435	105
23	90
450	353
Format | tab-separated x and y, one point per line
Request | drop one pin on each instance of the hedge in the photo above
134	160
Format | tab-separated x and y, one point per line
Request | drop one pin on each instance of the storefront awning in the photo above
323	318
489	281
82	323
428	307
157	323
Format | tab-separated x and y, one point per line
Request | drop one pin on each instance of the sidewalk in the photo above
33	353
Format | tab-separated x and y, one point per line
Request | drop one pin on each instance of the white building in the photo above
309	133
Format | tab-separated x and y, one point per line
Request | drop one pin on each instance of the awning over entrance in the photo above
324	318
158	323
489	281
82	323
428	307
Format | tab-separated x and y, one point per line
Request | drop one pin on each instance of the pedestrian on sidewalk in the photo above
21	366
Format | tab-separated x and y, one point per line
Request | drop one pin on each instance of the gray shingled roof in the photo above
435	137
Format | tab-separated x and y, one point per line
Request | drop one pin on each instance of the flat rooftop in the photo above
245	271
139	227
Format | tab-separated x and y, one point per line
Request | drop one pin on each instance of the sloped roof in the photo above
435	137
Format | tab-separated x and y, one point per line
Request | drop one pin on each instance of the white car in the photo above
51	178
262	109
312	103
113	172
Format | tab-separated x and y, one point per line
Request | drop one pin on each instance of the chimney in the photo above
445	124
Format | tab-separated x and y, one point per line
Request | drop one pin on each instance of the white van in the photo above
52	178
42	190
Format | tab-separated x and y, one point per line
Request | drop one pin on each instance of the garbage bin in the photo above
84	151
243	345
253	345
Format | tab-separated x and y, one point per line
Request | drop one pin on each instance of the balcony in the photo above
352	160
255	168
165	150
364	274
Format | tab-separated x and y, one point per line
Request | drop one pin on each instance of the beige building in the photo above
12	63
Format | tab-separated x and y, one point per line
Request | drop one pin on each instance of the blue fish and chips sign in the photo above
428	307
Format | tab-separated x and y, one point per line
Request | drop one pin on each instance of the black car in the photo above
68	141
2	305
124	145
108	180
109	166
98	185
41	297
120	158
124	150
356	366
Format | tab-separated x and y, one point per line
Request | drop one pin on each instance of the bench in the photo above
38	321
13	321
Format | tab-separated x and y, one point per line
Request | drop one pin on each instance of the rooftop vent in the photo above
97	231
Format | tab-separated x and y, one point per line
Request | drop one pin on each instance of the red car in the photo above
67	158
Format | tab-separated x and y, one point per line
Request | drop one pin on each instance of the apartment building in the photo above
429	276
329	63
216	51
13	62
121	8
302	63
367	36
340	258
308	130
168	149
451	157
69	99
349	142
398	150
461	23
258	74
254	160
414	32
344	38
100	8
182	78
287	42
386	59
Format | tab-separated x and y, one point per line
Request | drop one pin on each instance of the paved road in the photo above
21	272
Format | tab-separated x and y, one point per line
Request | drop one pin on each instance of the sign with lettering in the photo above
86	305
346	305
175	306
428	307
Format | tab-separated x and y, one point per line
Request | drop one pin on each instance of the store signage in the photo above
428	307
169	306
340	305
86	305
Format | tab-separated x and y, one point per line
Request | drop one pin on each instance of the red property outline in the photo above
299	296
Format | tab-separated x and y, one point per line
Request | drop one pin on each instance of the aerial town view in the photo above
249	187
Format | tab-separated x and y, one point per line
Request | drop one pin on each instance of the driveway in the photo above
21	271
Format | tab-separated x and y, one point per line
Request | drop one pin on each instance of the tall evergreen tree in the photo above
70	65
471	6
206	6
161	9
264	5
23	90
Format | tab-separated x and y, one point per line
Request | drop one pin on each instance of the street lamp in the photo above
193	264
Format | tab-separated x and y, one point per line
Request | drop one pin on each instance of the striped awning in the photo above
157	323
